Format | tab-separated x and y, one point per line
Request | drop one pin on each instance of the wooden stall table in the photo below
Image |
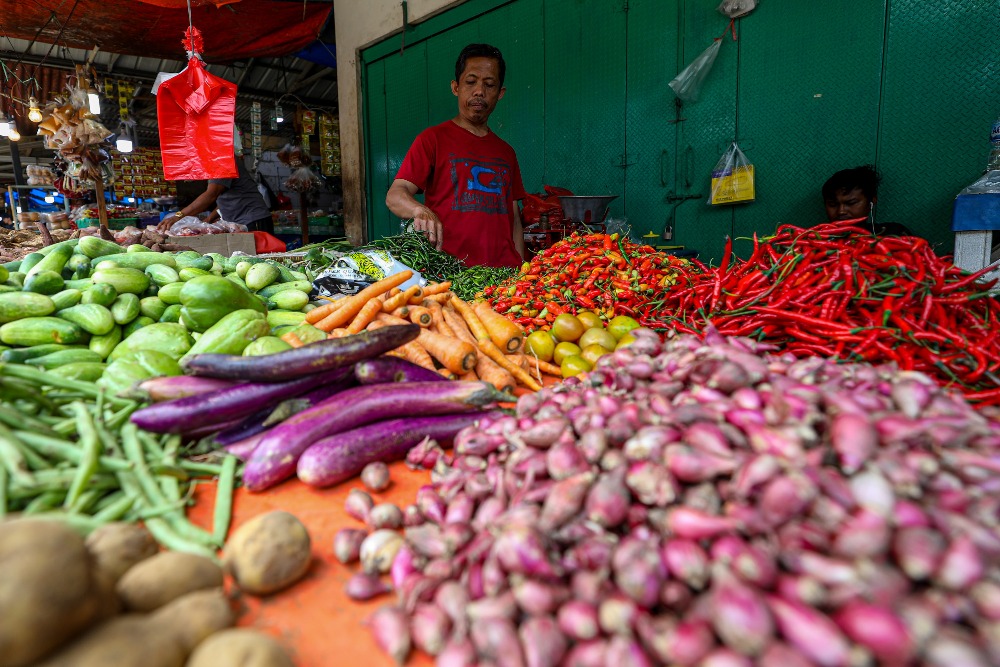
314	619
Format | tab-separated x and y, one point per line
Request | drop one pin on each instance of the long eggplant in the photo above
260	422
231	403
275	457
342	456
244	448
172	387
316	357
393	369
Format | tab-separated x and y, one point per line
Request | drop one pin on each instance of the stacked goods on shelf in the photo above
140	174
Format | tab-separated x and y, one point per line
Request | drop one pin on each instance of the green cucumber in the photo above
12	266
265	345
84	371
39	330
94	246
185	261
135	325
60	247
56	359
4	274
298	275
261	275
241	269
106	344
29	261
161	274
236	279
271	290
277	318
79	264
171	293
136	260
103	294
66	298
124	280
44	282
171	313
54	261
137	247
82	284
8	288
191	272
125	308
288	300
152	307
19	305
21	354
16	279
91	317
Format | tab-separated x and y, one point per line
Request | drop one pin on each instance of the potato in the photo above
154	582
268	553
240	647
125	641
118	546
193	617
48	589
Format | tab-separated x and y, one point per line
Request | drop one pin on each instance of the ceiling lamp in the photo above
94	100
123	143
34	113
4	127
14	135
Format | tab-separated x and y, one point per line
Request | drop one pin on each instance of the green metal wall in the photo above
808	88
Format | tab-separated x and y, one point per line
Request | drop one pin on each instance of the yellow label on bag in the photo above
733	187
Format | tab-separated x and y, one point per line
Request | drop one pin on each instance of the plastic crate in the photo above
113	223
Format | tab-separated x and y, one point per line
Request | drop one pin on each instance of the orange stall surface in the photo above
314	619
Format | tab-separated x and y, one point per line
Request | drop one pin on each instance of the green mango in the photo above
136	324
167	337
232	333
265	345
124	372
207	299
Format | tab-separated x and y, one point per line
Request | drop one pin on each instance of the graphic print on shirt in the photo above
480	186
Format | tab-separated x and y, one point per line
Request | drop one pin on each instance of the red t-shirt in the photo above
471	183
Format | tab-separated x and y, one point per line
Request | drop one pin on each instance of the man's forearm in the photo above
202	203
518	234
401	203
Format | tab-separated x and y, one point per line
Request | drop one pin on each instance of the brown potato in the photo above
48	591
268	553
125	641
118	546
193	617
154	582
240	647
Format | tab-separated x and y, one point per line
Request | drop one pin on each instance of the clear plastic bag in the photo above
687	85
732	179
735	9
357	270
190	226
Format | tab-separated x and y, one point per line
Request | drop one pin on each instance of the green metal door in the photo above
808	95
377	150
406	108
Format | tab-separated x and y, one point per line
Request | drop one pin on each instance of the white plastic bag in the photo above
733	179
687	85
357	270
735	9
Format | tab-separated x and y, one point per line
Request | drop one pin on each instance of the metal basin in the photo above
586	209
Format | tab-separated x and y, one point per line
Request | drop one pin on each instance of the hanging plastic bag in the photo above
735	9
687	85
732	179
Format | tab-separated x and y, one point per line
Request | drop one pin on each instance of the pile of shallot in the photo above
700	502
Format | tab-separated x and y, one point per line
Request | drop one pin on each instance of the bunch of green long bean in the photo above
468	284
68	452
414	250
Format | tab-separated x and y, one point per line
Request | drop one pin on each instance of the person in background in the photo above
469	176
237	200
851	194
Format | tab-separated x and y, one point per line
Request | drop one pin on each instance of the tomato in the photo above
541	344
563	350
621	325
590	319
567	327
596	336
574	365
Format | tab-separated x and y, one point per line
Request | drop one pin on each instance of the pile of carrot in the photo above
458	340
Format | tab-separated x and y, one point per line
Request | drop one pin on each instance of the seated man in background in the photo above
851	194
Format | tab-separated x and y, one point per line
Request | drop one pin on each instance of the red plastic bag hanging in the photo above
195	111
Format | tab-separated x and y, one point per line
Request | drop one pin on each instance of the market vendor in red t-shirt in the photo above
469	176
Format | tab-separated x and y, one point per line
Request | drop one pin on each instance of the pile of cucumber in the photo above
88	309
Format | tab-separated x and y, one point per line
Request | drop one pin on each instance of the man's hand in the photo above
168	222
426	221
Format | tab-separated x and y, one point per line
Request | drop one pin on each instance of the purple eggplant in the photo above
244	448
275	458
393	369
172	387
263	420
190	414
316	357
342	456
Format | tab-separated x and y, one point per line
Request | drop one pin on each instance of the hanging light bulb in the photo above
4	127
14	135
94	101
123	143
49	199
279	116
34	113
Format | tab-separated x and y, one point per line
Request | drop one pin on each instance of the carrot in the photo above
401	312
441	298
339	332
412	351
457	325
445	373
505	334
490	372
437	318
328	318
292	339
454	354
365	316
420	315
393	292
400	299
489	348
543	366
469	377
437	288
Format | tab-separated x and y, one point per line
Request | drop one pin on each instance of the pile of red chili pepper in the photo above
605	273
840	292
